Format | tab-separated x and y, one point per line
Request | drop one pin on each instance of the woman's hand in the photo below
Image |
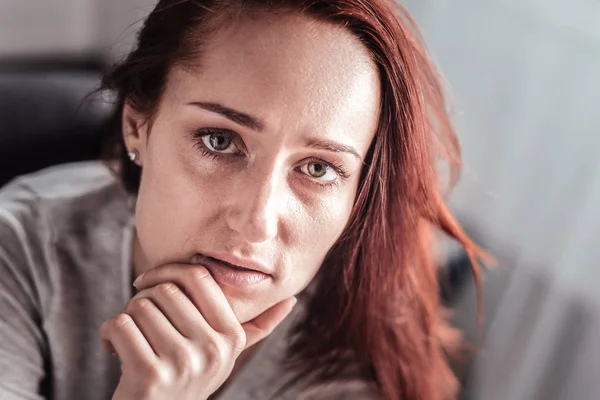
178	338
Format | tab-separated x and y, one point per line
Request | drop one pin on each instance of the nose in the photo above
254	213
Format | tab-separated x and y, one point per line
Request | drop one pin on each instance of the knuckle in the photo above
105	327
216	354
158	375
187	362
168	288
237	339
151	371
199	274
120	322
138	306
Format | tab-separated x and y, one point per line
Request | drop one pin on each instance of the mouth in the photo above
230	274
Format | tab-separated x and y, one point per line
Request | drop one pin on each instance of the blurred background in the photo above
524	80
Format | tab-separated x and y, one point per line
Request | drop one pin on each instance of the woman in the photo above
267	151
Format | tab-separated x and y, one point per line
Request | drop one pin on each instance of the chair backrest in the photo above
45	121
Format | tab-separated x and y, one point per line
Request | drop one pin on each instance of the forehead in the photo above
286	70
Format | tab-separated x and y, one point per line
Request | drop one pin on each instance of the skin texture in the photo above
271	197
304	80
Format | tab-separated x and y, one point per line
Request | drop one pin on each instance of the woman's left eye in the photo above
320	171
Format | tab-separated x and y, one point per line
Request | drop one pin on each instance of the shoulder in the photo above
62	246
60	219
62	198
56	190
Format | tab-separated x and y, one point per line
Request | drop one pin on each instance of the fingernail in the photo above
294	301
137	281
114	355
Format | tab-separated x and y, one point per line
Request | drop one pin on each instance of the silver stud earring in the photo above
133	155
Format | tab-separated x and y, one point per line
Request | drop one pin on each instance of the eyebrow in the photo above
236	116
332	146
256	124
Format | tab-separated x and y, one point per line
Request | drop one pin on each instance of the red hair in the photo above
377	294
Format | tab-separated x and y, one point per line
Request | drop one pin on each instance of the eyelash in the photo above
339	170
199	134
206	152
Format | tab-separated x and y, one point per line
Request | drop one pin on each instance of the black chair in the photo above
44	119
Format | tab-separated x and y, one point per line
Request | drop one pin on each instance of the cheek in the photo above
319	228
329	227
175	201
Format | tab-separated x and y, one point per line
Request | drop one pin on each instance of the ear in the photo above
135	132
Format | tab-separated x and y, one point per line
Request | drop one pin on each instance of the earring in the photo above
133	155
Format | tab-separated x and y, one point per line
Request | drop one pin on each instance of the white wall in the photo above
45	26
121	20
69	27
526	80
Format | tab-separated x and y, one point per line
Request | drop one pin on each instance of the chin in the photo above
244	308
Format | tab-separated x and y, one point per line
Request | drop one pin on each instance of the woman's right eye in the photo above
217	141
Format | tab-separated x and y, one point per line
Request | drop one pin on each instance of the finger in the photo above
201	288
156	328
262	326
177	308
108	347
122	336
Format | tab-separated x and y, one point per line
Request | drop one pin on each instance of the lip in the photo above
249	264
231	274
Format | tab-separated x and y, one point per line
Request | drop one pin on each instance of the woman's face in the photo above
254	156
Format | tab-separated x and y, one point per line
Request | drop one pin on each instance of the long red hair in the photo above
377	294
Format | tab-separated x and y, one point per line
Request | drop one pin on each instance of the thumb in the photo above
261	326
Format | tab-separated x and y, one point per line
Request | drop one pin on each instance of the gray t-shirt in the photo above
65	267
